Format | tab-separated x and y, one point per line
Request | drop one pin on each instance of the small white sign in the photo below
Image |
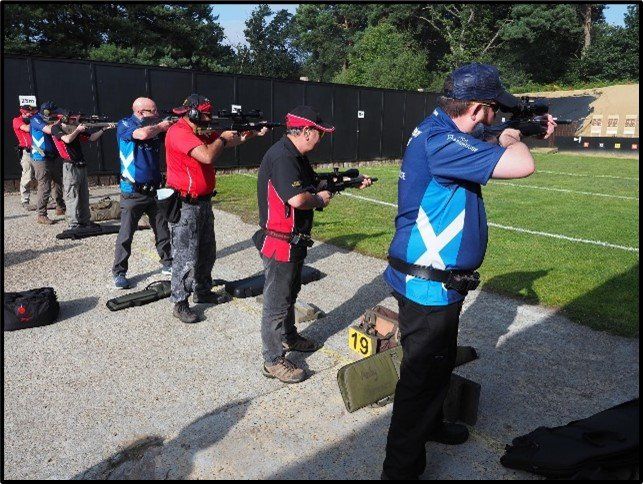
597	124
612	124
236	108
27	101
630	124
360	114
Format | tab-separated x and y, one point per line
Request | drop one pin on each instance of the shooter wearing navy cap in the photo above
440	240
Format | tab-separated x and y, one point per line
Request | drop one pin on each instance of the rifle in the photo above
168	115
94	122
237	121
337	181
529	117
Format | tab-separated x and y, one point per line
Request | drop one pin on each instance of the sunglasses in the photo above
494	106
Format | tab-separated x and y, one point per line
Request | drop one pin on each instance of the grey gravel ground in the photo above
137	394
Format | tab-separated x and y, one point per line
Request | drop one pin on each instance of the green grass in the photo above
593	285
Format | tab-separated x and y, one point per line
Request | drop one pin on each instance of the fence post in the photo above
94	87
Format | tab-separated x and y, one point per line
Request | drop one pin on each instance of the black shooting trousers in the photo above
429	338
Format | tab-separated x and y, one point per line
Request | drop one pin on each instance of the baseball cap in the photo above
479	82
196	101
306	116
49	108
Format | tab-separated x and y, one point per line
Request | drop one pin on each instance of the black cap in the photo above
49	108
480	82
304	116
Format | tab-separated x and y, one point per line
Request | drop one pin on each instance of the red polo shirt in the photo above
24	138
185	173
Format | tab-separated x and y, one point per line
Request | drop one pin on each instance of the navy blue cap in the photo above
48	108
480	82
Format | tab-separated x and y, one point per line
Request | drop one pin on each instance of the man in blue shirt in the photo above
47	165
440	240
139	149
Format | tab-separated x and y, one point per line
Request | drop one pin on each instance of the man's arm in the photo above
68	138
149	132
310	201
97	134
25	127
47	129
517	161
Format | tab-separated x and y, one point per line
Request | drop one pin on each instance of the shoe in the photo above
166	270
121	282
28	207
210	297
51	206
449	434
43	219
184	312
285	371
301	344
60	211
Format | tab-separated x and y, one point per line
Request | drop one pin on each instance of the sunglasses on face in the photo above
149	111
494	106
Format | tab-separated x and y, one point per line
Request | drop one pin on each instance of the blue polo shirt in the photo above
139	159
441	220
42	143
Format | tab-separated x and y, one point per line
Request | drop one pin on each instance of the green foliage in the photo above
178	35
385	58
269	51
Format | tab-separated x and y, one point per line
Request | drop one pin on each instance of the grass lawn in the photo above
591	200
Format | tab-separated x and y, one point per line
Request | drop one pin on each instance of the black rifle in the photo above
94	122
338	181
529	117
237	121
167	115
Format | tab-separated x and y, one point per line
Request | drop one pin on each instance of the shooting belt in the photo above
461	281
302	240
142	188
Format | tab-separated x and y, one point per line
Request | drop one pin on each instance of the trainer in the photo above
23	134
190	172
287	198
47	166
139	145
440	240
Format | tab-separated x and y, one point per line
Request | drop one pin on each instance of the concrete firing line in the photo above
507	227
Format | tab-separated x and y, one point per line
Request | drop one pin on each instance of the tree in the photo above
385	58
325	33
185	35
269	51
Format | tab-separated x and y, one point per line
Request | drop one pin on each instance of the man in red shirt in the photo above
190	171
23	134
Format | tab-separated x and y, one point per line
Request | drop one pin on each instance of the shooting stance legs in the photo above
26	162
48	174
76	191
429	342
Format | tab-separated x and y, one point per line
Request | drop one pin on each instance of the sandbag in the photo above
594	445
29	309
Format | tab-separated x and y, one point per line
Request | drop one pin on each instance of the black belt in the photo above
189	199
461	281
301	240
142	188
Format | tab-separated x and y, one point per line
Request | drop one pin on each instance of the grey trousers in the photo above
283	282
194	250
26	162
133	206
76	190
48	173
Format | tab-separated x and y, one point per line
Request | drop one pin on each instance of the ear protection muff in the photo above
194	115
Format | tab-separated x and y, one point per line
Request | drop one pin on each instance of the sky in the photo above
232	17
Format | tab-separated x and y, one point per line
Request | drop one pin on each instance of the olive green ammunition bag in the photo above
153	292
371	379
371	382
105	209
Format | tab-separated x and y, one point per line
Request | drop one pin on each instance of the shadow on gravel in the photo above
342	316
75	307
337	245
11	258
150	457
135	280
11	217
234	248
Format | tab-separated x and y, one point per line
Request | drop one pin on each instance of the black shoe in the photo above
183	311
449	434
210	297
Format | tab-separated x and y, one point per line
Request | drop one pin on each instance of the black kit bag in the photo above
169	203
607	442
29	309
